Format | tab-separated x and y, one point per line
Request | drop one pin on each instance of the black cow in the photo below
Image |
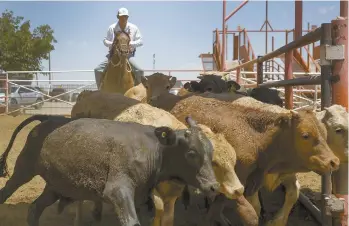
215	84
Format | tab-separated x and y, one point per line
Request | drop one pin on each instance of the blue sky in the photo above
177	32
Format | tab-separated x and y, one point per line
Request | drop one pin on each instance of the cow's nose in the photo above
334	163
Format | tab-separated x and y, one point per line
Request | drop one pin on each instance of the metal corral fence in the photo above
57	96
333	80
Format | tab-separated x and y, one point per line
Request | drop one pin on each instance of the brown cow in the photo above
299	137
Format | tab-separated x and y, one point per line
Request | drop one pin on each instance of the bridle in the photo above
116	48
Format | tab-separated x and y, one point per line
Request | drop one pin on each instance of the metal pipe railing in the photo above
304	40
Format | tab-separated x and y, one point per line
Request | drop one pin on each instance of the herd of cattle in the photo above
151	147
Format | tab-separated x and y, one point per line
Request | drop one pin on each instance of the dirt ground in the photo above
14	211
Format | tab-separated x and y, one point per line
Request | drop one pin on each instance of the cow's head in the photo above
157	84
187	156
224	161
308	139
192	86
266	95
212	84
335	119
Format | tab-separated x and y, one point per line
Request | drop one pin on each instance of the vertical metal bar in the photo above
223	38
226	40
298	20
315	98
340	67
7	93
49	68
272	49
343	8
218	46
308	57
288	75
244	36
266	27
259	71
238	75
236	47
340	96
326	73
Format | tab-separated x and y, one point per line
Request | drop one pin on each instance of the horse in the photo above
117	77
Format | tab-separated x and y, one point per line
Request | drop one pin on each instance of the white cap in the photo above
122	12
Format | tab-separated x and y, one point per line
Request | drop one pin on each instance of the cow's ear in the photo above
165	135
144	81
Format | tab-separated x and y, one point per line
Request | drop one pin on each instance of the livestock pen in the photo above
331	75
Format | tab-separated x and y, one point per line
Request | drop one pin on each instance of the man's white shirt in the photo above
135	35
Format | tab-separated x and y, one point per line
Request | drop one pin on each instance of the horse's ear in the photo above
173	81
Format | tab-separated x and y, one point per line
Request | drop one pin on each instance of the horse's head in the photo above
121	44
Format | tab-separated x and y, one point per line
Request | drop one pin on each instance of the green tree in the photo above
20	48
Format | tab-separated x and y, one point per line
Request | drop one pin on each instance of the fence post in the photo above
340	96
326	73
6	93
238	75
315	98
259	71
288	75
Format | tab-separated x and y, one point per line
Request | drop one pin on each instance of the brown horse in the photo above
118	73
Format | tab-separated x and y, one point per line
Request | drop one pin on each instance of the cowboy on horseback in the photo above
136	41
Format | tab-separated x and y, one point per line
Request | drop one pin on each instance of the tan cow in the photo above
111	106
335	119
156	83
255	129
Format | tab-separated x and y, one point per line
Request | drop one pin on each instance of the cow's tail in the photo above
3	158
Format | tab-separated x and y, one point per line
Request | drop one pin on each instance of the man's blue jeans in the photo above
137	72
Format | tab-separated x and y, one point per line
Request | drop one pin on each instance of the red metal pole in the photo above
266	28
278	31
308	55
226	40
344	8
223	38
238	75
298	18
288	75
235	10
